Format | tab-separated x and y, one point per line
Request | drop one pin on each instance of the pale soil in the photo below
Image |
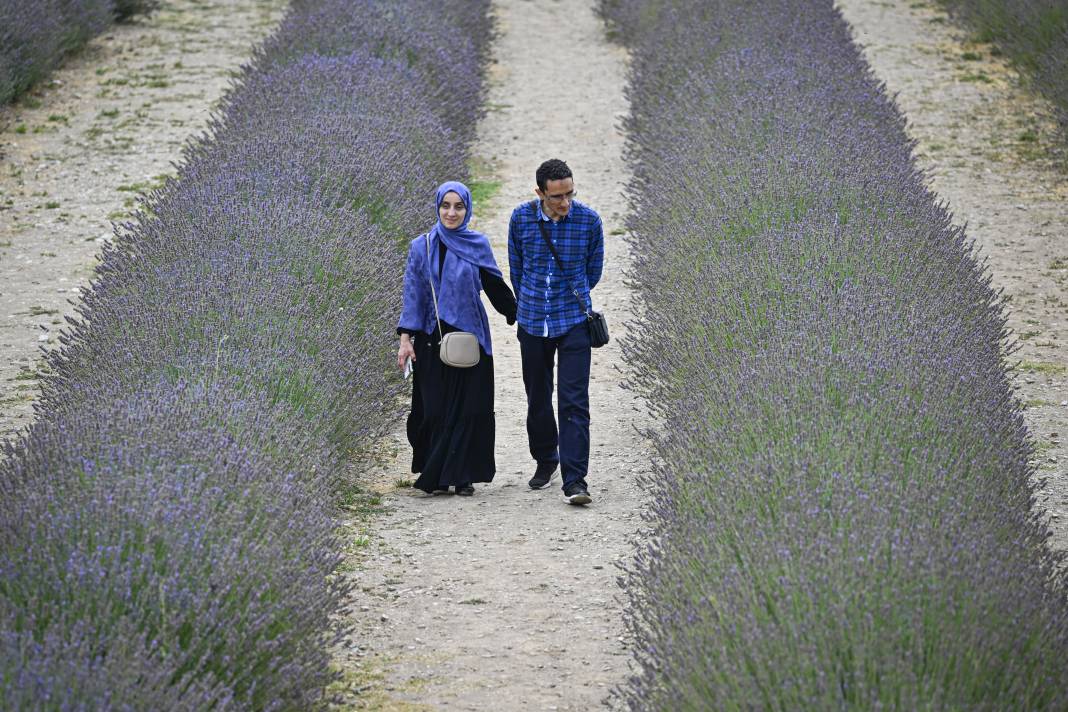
508	600
108	127
990	150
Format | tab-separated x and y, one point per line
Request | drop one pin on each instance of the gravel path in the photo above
989	148
508	600
75	154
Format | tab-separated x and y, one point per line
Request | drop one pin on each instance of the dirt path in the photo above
75	154
508	600
986	144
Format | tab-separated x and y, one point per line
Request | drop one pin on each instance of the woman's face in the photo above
452	210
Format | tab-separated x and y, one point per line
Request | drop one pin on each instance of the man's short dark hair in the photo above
552	169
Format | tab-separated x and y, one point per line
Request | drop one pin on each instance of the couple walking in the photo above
451	425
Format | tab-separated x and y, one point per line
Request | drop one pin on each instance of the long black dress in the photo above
451	426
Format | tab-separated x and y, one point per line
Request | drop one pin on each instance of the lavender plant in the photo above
168	528
1033	33
842	508
36	36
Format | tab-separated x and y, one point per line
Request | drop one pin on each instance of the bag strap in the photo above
552	249
430	278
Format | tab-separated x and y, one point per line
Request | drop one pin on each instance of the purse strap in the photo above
552	249
430	278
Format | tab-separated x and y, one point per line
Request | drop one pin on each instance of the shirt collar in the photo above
543	216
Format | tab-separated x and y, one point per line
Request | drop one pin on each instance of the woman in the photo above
451	426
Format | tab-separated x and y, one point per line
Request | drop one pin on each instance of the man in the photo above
552	322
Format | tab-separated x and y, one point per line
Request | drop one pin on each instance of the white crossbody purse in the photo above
458	349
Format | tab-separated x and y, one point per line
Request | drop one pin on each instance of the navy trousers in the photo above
570	445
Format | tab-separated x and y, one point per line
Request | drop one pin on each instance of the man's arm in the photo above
515	256
595	254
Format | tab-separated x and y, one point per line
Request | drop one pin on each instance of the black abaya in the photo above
451	426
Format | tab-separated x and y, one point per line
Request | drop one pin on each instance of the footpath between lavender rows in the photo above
77	151
509	599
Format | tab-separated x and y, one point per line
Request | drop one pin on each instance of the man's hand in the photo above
405	352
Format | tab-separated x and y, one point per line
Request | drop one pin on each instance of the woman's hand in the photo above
406	351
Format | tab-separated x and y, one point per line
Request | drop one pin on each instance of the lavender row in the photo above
842	510
1033	33
36	36
168	525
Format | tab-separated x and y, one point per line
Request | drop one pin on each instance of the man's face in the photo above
557	197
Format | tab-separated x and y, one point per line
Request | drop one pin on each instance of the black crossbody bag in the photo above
595	321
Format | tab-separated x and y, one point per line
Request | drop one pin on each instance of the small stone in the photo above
43	337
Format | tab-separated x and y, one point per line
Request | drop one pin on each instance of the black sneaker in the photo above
465	490
577	494
544	475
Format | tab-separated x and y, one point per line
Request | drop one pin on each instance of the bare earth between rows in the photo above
508	600
76	153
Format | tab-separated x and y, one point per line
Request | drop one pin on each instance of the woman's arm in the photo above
414	309
499	294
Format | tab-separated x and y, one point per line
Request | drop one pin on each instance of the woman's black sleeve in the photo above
499	294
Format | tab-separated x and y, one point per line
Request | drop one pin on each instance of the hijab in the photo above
470	246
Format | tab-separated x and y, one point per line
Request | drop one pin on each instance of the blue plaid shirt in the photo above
547	304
